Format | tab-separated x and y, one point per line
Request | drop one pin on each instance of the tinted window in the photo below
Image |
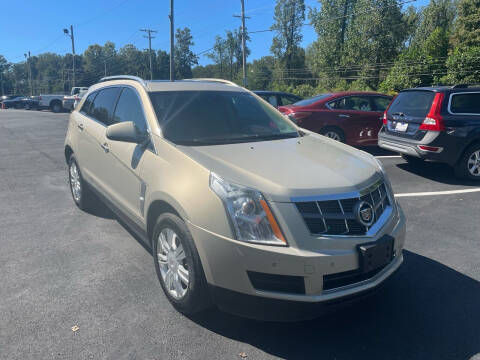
287	100
381	103
129	108
88	103
414	103
211	117
102	107
358	103
465	103
312	100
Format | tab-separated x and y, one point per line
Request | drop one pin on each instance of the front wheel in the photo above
468	167
27	106
81	193
178	265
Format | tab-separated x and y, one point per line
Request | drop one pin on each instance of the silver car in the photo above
241	208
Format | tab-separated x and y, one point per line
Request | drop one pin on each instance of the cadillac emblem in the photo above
364	212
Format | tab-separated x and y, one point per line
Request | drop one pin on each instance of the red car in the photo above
354	118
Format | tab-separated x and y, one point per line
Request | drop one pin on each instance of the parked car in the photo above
30	103
277	98
436	123
69	102
54	102
350	117
13	102
240	207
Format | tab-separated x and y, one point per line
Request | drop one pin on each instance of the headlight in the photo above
251	217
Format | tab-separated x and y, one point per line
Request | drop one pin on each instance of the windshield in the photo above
217	117
312	100
414	103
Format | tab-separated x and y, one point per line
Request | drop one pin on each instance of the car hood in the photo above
281	169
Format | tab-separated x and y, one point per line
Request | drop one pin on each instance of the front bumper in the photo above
226	264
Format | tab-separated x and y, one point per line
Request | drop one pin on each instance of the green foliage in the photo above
463	66
467	24
184	57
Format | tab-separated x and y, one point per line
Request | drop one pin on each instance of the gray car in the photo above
241	208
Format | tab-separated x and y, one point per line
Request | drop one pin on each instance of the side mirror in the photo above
126	132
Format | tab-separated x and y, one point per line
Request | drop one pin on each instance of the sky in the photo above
37	26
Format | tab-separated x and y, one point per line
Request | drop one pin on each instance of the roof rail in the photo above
214	80
124	77
463	86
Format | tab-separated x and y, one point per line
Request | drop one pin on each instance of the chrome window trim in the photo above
387	213
461	93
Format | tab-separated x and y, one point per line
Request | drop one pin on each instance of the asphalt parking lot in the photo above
61	267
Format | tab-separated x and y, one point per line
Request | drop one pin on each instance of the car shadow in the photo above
100	209
377	151
425	311
435	171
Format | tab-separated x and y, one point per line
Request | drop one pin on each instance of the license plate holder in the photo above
401	126
376	254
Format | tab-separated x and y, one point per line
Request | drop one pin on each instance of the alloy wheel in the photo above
75	183
172	262
333	135
473	163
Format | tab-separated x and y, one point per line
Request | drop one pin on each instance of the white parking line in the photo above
387	156
430	193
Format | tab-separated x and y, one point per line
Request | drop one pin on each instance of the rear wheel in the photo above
27	106
468	167
178	265
56	107
333	133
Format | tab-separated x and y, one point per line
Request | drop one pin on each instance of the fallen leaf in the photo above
242	355
75	328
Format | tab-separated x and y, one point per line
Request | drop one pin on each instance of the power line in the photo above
149	37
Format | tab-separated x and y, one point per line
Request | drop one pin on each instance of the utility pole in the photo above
172	44
70	35
105	67
244	55
29	69
150	37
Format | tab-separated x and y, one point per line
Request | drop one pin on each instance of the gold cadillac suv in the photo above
241	208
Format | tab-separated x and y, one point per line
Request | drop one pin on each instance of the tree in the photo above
374	37
467	24
184	57
218	54
4	65
463	66
288	21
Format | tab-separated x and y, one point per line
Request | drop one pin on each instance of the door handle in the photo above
105	147
80	127
343	115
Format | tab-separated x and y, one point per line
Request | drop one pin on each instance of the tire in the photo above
27	107
56	107
188	297
84	199
412	159
468	167
333	133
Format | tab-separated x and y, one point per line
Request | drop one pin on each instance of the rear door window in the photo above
355	103
466	103
103	104
415	103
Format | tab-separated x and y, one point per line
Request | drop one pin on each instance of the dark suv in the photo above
436	123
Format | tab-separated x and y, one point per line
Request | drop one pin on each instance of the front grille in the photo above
337	217
338	280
